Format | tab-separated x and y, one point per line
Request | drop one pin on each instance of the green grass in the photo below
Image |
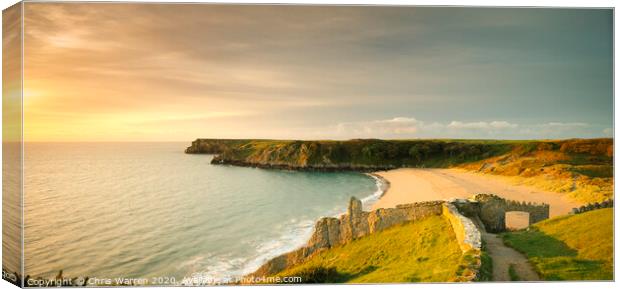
486	265
422	251
577	247
595	171
513	273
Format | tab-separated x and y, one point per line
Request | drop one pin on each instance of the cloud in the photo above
564	124
409	127
481	125
398	126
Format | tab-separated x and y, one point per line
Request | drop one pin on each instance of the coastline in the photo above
413	185
383	185
304	233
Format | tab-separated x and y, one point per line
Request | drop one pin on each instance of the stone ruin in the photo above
490	210
356	223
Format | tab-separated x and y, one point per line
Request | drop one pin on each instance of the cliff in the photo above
213	146
359	154
583	168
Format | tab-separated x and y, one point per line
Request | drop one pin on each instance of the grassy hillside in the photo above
423	251
582	168
577	247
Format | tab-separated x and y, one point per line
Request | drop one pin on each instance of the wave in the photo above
221	270
300	233
295	235
382	186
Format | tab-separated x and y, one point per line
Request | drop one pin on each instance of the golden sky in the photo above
145	72
124	73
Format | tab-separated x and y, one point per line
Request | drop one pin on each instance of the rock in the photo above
326	233
355	207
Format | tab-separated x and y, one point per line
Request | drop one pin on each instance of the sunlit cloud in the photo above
178	72
481	125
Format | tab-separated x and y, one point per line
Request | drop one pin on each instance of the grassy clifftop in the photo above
422	251
582	168
351	154
577	247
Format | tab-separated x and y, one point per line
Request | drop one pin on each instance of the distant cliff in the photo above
359	154
214	146
362	154
582	168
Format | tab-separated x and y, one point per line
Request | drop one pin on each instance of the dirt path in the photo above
503	257
415	185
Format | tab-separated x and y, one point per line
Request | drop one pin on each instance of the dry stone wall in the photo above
470	240
467	234
593	206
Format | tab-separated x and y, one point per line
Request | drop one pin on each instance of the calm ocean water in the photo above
109	210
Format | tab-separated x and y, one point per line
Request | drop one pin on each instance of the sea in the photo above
148	210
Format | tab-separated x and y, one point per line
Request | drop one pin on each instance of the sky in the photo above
157	72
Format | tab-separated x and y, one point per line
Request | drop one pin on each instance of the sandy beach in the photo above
409	185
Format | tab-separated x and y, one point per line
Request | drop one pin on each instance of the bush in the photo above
319	274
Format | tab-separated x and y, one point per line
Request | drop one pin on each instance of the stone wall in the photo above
466	216
356	223
593	206
467	234
470	240
491	210
538	212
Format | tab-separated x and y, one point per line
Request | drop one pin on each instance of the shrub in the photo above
319	274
